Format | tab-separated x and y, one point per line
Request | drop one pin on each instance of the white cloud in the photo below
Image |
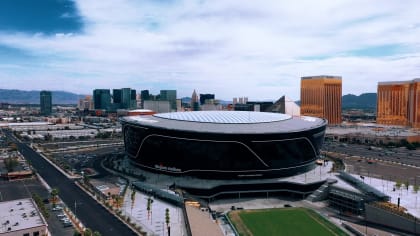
231	48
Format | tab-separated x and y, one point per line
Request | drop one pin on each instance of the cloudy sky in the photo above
232	48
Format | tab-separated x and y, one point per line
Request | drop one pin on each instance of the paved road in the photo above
397	155
91	213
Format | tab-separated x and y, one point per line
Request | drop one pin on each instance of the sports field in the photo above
283	221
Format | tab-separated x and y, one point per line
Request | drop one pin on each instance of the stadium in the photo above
224	145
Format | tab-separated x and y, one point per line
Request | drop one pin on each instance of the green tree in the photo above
54	195
86	179
398	184
416	189
133	198
87	232
11	163
406	185
119	200
13	146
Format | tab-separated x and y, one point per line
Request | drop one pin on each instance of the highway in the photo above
91	213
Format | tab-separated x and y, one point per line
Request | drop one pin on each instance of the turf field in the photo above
282	221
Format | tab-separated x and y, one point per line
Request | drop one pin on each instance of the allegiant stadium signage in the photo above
173	169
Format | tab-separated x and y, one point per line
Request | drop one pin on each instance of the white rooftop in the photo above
225	117
19	214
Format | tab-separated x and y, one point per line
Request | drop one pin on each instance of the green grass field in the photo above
284	221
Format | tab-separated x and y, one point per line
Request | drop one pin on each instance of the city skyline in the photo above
227	48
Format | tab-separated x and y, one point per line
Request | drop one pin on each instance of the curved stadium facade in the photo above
224	144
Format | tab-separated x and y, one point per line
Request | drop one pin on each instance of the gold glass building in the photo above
320	96
398	103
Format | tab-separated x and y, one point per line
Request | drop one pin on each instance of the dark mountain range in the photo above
14	96
363	101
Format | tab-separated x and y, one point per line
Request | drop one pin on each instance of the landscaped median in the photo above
282	221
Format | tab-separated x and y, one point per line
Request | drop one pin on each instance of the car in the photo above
61	215
65	219
57	208
67	224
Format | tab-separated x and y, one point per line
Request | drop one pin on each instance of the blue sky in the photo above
258	49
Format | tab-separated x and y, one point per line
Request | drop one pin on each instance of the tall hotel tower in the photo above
320	96
398	103
45	102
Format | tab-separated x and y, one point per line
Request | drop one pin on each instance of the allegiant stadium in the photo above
224	144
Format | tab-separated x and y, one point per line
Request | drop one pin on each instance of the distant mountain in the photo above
14	96
186	100
364	100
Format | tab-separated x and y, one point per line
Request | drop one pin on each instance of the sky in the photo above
232	48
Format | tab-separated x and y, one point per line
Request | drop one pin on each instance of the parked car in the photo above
67	224
57	208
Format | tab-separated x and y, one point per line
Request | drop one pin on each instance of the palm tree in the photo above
398	184
87	232
149	207
406	185
119	201
416	189
133	198
54	195
167	220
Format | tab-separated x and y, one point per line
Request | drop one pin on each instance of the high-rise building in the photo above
133	99
320	96
195	105
85	103
157	106
235	101
101	99
125	98
144	96
398	103
285	105
240	100
116	96
45	98
169	95
204	97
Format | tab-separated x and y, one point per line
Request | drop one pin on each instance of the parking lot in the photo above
25	188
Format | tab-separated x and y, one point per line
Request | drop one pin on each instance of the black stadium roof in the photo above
227	122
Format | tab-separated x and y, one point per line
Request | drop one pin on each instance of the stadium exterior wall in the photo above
222	155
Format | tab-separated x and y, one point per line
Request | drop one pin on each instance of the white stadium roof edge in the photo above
225	117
